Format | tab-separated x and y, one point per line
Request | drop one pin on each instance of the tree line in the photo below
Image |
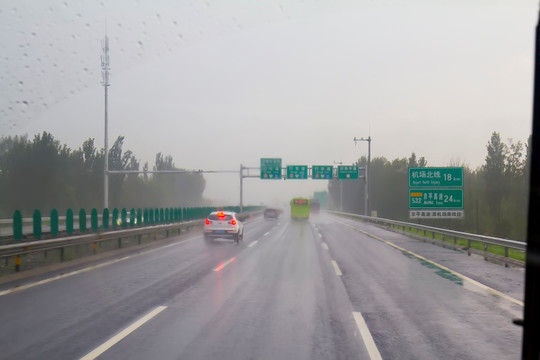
495	194
43	174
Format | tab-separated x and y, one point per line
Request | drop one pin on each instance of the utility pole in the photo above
105	82
366	192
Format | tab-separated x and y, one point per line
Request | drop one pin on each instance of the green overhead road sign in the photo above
270	168
436	177
322	172
297	172
436	198
347	172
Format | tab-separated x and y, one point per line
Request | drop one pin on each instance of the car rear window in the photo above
217	218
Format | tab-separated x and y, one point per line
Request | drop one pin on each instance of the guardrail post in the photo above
69	221
82	221
469	247
119	242
54	222
62	254
505	256
485	251
17	263
95	247
36	221
17	225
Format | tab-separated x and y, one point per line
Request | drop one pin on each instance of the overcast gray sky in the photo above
217	84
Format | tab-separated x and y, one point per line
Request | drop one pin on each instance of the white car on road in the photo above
223	224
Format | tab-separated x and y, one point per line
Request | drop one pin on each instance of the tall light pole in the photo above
105	83
366	197
340	189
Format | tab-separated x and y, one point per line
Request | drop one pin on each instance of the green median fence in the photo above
119	218
17	225
69	221
54	222
82	221
36	220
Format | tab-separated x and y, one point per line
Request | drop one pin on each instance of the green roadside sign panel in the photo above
322	172
436	198
297	172
347	172
436	177
271	168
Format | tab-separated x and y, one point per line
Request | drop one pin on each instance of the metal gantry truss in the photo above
245	172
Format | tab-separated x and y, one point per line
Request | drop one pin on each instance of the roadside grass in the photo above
463	243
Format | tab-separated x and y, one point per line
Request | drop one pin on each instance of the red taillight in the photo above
232	222
207	222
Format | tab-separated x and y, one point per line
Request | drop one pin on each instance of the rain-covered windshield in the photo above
125	125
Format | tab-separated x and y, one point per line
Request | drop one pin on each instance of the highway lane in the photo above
415	310
280	300
63	318
292	290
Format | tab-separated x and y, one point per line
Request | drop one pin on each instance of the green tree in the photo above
493	172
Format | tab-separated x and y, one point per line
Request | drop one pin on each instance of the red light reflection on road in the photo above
222	265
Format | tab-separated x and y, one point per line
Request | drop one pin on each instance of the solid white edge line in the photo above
366	337
265	234
461	276
336	268
122	334
253	243
325	246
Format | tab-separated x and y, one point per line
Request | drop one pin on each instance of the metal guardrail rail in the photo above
23	248
485	240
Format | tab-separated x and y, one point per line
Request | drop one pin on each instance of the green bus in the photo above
300	208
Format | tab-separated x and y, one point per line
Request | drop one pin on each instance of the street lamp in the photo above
340	189
366	197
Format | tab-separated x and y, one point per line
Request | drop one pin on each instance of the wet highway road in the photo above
292	290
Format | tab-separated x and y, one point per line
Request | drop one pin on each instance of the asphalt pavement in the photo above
317	289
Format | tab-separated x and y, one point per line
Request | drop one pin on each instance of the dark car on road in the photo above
270	213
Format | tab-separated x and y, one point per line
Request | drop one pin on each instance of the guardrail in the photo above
19	249
38	226
424	230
